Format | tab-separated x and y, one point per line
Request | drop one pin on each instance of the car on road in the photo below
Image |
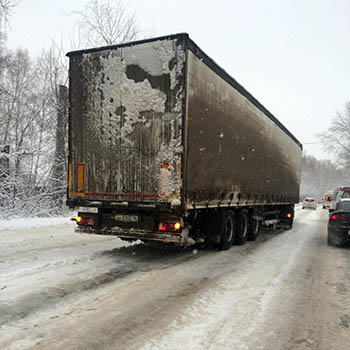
327	199
339	193
309	202
339	224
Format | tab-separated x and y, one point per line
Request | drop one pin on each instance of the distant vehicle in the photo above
309	202
327	198
339	193
339	224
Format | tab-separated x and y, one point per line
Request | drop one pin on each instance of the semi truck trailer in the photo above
164	145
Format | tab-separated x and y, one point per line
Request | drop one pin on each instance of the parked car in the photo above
309	202
339	193
339	224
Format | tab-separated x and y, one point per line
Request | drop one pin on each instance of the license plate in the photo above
126	218
87	210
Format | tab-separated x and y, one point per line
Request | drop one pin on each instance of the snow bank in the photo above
23	223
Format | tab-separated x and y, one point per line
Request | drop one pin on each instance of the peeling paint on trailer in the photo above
126	120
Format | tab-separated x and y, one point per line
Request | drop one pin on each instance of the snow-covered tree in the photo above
320	176
29	107
53	76
337	137
6	7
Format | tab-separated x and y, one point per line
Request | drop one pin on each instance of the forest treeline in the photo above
30	183
320	176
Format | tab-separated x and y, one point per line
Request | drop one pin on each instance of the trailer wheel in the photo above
242	227
253	225
227	230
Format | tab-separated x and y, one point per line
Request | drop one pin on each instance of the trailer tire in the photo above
242	227
253	226
227	230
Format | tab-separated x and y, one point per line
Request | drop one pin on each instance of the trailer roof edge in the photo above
233	82
185	36
191	45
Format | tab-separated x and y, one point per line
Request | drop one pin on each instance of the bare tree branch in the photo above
107	22
6	8
337	137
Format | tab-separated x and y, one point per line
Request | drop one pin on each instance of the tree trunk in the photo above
4	174
59	168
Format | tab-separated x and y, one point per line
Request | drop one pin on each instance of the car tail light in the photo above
338	217
170	226
85	221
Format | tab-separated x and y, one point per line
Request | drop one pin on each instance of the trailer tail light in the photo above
338	217
287	215
85	221
170	226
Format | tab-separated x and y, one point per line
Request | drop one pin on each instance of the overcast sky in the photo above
293	56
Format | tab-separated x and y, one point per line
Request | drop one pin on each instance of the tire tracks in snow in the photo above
126	261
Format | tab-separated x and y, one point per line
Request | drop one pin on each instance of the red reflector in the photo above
161	227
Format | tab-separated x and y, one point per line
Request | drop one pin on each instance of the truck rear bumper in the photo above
181	238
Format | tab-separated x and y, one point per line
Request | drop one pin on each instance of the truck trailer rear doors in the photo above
126	122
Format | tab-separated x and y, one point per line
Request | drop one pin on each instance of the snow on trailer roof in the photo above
191	45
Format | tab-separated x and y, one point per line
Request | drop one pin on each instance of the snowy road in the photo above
60	290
